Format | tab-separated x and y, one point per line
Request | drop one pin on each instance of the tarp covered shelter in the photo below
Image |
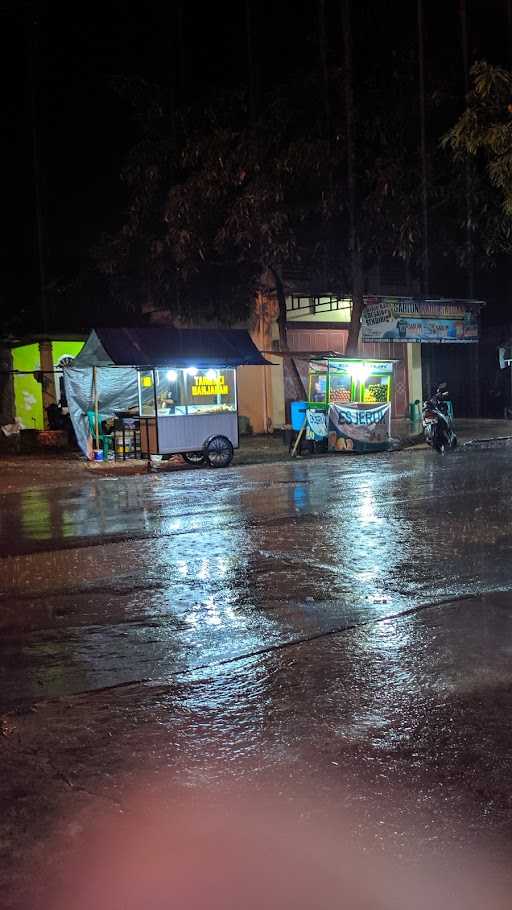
107	365
160	347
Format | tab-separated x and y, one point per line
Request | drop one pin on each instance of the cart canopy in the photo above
154	346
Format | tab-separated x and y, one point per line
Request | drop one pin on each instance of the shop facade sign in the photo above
412	319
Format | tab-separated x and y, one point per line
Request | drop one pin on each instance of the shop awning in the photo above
154	346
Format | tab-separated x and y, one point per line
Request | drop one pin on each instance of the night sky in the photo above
86	129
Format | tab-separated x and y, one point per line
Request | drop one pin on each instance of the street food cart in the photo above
349	403
169	391
190	411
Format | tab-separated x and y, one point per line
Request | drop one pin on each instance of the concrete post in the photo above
414	372
6	384
47	378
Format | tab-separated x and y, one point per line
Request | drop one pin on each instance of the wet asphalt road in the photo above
341	627
143	578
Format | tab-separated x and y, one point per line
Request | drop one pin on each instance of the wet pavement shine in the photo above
338	628
140	578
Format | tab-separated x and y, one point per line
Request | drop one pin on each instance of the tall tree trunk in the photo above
33	58
289	362
180	56
356	263
408	279
251	63
423	152
323	47
176	66
322	42
468	167
508	6
282	315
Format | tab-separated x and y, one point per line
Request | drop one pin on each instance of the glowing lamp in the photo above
172	375
191	371
360	372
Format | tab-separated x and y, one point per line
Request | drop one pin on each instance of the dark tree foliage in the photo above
222	198
483	134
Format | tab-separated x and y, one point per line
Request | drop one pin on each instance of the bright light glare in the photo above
192	371
360	371
211	374
172	375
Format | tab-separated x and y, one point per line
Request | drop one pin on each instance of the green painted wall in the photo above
27	391
64	349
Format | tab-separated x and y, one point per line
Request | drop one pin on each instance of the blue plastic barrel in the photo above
298	413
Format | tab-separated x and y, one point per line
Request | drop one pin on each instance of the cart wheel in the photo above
218	451
194	458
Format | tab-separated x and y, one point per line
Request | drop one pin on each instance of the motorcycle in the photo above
437	421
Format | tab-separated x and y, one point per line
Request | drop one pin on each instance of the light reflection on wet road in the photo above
145	577
222	589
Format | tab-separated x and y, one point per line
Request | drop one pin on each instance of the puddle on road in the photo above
238	561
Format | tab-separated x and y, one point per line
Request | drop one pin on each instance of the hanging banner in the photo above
316	424
419	320
359	427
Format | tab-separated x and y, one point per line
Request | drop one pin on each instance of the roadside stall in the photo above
348	406
159	391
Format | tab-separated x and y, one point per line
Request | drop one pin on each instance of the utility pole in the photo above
468	168
322	41
508	4
32	49
251	64
356	265
423	152
181	52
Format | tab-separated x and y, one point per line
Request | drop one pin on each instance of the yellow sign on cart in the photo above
204	386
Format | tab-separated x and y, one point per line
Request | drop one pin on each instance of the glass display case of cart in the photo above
348	380
187	392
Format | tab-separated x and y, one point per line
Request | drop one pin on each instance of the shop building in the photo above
428	339
33	376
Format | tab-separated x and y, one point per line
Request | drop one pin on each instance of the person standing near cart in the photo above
169	395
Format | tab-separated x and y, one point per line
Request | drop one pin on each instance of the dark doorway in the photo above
456	364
